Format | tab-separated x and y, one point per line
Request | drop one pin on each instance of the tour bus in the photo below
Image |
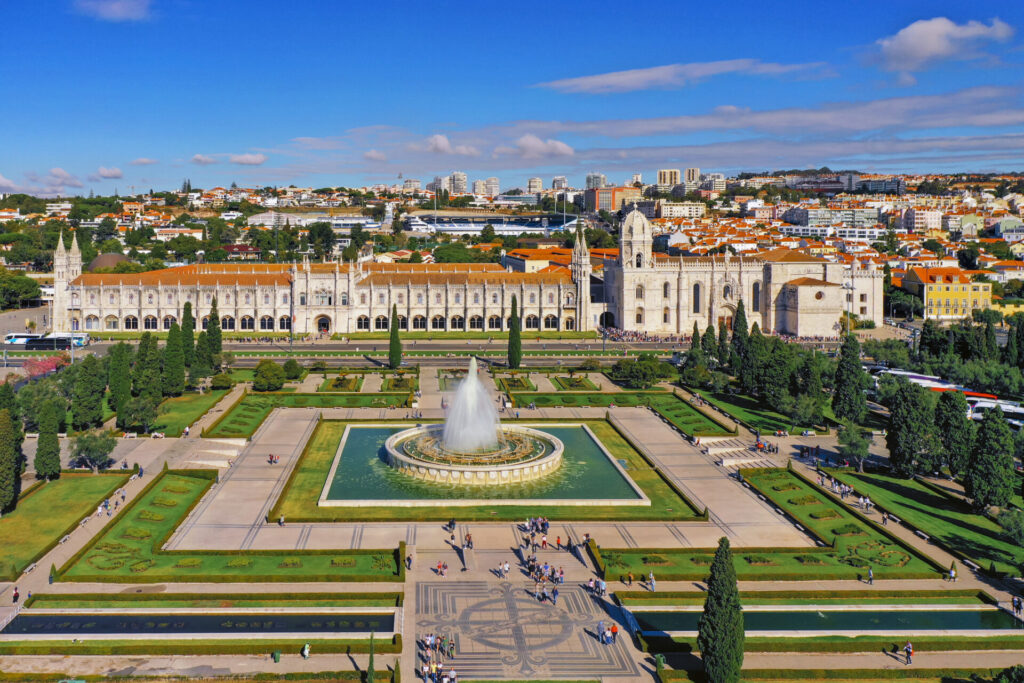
79	339
1012	411
20	337
48	344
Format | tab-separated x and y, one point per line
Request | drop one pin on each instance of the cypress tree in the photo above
369	664
991	345
910	435
848	401
9	401
723	343
708	343
515	344
754	360
173	378
395	345
989	477
87	396
188	328
119	378
141	363
9	466
146	373
47	461
695	338
740	338
202	366
213	333
954	429
720	633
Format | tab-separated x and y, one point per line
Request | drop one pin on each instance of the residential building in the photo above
815	216
411	185
535	185
668	178
493	186
479	187
459	183
692	175
922	220
714	182
610	198
595	180
58	208
947	293
638	178
559	182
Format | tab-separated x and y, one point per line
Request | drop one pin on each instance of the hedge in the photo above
620	596
846	644
223	416
399	598
199	647
839	674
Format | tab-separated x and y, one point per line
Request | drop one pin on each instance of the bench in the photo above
971	565
922	534
64	540
30	567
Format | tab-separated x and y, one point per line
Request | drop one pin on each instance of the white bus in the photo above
77	338
20	337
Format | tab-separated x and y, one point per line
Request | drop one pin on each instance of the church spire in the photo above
579	249
61	251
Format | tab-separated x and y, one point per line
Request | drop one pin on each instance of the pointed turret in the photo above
74	258
61	251
580	251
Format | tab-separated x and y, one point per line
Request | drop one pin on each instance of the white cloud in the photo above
530	146
928	41
203	160
374	155
54	182
109	173
675	75
7	185
114	10
247	159
144	161
440	144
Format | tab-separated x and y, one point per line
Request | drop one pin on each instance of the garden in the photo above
573	383
311	601
179	412
512	383
404	382
343	382
244	418
128	550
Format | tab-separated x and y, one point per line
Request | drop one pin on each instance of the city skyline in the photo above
144	93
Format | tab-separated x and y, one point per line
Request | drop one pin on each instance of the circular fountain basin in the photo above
521	454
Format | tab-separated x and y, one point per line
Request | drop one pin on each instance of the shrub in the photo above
759	560
825	514
150	516
848	530
135	534
810	560
805	500
189	563
292	370
1012	522
290	563
655	560
165	502
269	376
785	487
239	562
342	562
221	381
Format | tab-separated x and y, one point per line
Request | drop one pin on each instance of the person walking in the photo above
651	584
615	632
507	569
909	650
554	596
629	579
871	577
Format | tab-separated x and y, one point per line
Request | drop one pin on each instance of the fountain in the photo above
472	446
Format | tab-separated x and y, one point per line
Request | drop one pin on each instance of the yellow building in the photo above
947	293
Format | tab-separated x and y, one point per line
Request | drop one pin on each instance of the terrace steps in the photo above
723	445
754	461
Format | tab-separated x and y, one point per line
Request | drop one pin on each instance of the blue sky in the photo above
99	94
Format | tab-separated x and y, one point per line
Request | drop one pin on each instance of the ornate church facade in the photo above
784	291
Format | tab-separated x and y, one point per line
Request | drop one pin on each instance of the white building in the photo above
479	187
459	183
535	185
559	182
922	220
493	186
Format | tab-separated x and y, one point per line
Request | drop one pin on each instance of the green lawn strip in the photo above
181	411
879	597
128	549
872	675
405	383
575	383
342	383
201	646
842	644
298	500
944	518
243	374
494	334
513	383
47	512
750	411
245	417
210	600
856	541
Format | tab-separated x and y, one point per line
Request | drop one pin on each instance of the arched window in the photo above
458	298
437	323
458	322
322	298
92	322
533	298
363	322
149	298
570	324
639	316
92	299
149	322
131	323
75	325
170	298
639	260
380	322
756	297
494	322
285	323
168	321
302	299
266	323
248	300
666	290
696	297
639	291
419	322
550	322
569	300
401	298
284	299
727	292
476	322
403	322
248	322
227	323
205	322
476	297
131	297
266	299
666	316
110	322
551	297
344	298
380	297
227	298
111	298
532	322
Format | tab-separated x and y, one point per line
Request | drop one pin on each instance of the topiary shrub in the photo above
221	381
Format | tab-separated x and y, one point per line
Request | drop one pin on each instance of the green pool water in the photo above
843	620
585	473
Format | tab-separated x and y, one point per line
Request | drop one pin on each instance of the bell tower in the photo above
636	241
581	270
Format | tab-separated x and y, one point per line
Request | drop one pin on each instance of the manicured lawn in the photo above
750	411
181	411
405	383
245	418
838	643
298	502
128	548
641	598
575	383
511	383
48	512
442	336
348	383
210	600
243	374
201	646
941	517
681	414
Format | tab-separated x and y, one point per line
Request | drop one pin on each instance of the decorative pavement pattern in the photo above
500	629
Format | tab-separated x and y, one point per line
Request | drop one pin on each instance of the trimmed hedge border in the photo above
844	644
216	423
398	598
836	674
199	646
981	595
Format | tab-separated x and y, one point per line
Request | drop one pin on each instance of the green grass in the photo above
201	646
47	512
838	643
128	550
406	383
346	383
181	411
243	374
751	412
678	412
575	383
513	383
944	518
210	600
298	501
244	418
442	336
849	597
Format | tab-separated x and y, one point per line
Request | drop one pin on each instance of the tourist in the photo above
909	649
600	631
885	518
602	588
507	568
544	542
15	595
554	596
305	651
952	573
561	576
608	636
590	585
545	596
439	567
871	577
469	541
615	632
408	563
629	579
558	542
444	570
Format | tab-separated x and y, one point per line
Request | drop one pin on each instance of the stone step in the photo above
725	446
754	460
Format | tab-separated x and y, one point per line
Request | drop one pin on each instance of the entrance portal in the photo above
323	324
607	319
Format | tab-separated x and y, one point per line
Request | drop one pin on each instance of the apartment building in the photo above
668	178
947	293
493	186
922	220
610	198
535	185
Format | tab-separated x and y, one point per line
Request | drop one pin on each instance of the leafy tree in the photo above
709	344
989	477
202	366
188	327
934	340
754	361
173	377
1012	521
395	345
221	381
854	444
848	401
515	344
321	238
119	378
269	376
92	450
47	461
954	429
144	380
720	634
213	333
292	369
141	412
10	469
1014	674
87	400
740	338
695	340
641	372
910	437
